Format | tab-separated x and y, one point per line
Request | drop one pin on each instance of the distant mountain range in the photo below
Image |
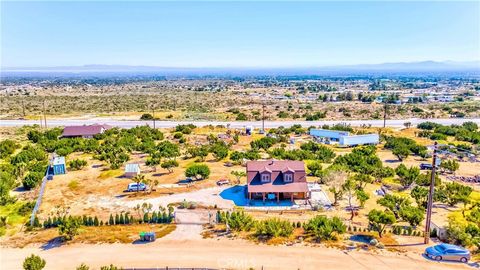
421	66
424	66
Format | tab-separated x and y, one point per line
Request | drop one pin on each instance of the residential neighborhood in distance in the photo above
246	135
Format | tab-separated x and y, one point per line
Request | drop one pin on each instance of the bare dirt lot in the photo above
97	188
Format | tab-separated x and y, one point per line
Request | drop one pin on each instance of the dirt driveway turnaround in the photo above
190	224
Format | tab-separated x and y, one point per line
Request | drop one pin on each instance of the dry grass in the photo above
90	235
83	189
73	185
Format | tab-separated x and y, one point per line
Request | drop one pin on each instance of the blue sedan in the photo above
448	252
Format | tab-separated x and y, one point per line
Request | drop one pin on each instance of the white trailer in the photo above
354	140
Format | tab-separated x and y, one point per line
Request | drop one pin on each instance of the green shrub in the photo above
32	180
26	208
146	116
7	147
198	171
77	164
177	135
237	220
324	228
82	267
273	227
33	262
241	117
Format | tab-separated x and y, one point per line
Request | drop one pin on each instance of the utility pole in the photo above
384	113
23	107
263	112
44	115
263	117
430	196
153	114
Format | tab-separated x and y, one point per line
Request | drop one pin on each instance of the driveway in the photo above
318	196
190	224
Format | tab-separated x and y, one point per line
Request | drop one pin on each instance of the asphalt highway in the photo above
232	124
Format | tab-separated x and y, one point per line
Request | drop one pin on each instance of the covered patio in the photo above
272	192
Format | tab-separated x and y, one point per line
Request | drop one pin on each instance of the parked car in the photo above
448	252
137	187
223	182
425	166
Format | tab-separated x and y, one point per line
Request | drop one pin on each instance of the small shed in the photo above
438	231
132	170
58	165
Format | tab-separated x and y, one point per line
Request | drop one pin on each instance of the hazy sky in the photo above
236	34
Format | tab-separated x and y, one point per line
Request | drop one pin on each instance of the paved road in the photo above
233	124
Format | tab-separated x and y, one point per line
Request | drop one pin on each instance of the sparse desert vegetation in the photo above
278	98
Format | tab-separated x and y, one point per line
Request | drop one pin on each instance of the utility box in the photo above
147	236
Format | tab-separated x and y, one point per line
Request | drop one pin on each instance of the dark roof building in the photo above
84	131
279	179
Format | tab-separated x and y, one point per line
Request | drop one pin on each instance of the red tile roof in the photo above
72	131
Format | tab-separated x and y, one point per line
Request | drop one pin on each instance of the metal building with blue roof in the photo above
58	165
344	138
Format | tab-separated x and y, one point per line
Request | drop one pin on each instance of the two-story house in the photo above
276	180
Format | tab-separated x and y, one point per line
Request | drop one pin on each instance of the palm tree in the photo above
139	178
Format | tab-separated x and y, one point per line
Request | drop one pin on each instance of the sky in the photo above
236	34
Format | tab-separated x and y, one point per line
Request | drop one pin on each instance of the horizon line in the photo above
451	62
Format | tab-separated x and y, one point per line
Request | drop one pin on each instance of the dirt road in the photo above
185	248
221	254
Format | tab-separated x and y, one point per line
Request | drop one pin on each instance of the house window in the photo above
265	178
288	177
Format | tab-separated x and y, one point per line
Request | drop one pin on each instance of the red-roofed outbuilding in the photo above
84	131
